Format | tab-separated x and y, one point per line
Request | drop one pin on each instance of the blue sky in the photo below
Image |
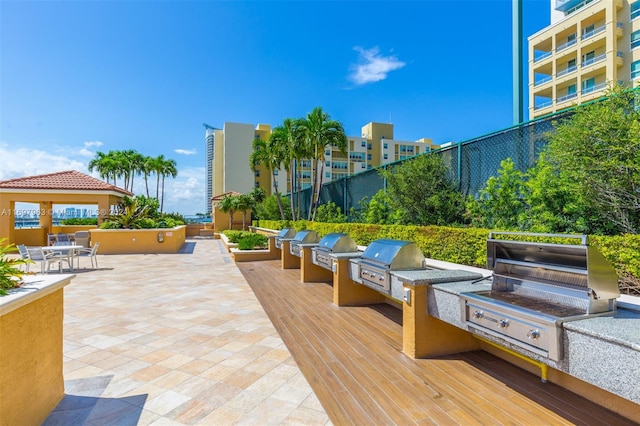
78	77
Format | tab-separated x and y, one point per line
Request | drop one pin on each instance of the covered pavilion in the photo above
67	187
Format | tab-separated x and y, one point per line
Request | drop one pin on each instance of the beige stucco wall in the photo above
31	381
133	241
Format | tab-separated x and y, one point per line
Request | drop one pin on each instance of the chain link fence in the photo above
471	163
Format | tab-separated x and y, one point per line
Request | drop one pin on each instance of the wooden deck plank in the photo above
351	357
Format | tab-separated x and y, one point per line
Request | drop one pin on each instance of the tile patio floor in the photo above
175	339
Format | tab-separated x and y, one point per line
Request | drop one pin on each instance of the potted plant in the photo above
10	272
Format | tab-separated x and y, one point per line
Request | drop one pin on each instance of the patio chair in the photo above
24	254
36	254
51	238
82	239
90	253
63	238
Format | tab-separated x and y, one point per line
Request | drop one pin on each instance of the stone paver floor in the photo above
175	339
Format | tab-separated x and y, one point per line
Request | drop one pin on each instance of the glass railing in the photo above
543	105
593	32
543	80
635	10
542	56
597	87
594	60
566	71
567	97
566	45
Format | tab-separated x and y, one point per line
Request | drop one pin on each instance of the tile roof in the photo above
67	180
224	194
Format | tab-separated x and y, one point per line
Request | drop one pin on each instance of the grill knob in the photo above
503	323
533	334
478	314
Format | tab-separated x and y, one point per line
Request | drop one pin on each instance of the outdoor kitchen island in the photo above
603	351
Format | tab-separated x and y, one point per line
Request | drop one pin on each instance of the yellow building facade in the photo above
588	46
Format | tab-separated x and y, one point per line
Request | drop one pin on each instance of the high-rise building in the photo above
588	45
210	139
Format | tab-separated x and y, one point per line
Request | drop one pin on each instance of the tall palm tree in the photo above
155	165
169	168
269	153
228	205
146	168
105	165
290	144
242	203
319	131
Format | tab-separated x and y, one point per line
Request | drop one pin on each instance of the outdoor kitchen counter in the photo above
603	351
434	276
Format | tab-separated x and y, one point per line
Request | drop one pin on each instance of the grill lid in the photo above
338	243
395	254
306	236
287	233
563	265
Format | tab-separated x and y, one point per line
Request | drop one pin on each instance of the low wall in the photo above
71	229
139	241
31	236
193	229
31	382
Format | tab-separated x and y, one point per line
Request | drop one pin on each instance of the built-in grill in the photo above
535	287
286	233
302	237
332	243
373	268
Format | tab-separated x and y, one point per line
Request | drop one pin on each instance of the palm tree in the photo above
146	168
290	146
169	168
269	153
105	165
156	164
227	205
319	131
242	203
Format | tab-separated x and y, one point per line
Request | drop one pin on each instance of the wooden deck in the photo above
352	357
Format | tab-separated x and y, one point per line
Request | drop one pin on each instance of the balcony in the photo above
566	45
566	98
542	105
566	71
566	5
596	88
594	60
542	56
593	32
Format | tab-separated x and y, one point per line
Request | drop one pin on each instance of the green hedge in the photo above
468	246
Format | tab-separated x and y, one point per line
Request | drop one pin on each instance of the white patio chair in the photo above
90	253
63	238
36	254
24	254
82	239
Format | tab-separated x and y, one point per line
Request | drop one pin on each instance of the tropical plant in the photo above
168	168
129	215
269	209
423	190
319	131
291	140
330	213
228	205
270	154
10	273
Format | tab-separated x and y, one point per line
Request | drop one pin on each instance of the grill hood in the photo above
338	243
394	254
287	233
306	237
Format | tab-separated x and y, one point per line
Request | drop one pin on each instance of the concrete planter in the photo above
139	241
31	383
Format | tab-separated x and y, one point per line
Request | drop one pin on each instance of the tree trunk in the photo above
314	188
162	201
275	188
317	200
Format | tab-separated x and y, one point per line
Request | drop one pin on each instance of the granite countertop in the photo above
435	276
464	286
623	327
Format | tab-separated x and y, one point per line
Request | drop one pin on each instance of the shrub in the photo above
251	240
80	221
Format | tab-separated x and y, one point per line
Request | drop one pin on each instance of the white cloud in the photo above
89	144
185	151
20	162
372	66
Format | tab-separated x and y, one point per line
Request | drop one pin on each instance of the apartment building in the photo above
229	149
588	45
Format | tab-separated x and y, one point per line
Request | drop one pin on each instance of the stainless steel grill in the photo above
536	287
374	267
285	233
302	237
332	243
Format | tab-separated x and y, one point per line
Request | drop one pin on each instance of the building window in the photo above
369	146
364	165
327	174
385	145
257	173
635	70
369	157
386	157
327	163
635	39
635	9
275	172
257	184
571	90
364	144
327	152
588	84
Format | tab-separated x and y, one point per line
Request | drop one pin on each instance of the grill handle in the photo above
581	237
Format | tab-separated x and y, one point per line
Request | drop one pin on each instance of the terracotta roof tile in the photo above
224	194
67	180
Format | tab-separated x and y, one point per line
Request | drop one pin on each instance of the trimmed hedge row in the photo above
468	246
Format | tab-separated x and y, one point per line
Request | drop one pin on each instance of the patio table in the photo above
68	250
